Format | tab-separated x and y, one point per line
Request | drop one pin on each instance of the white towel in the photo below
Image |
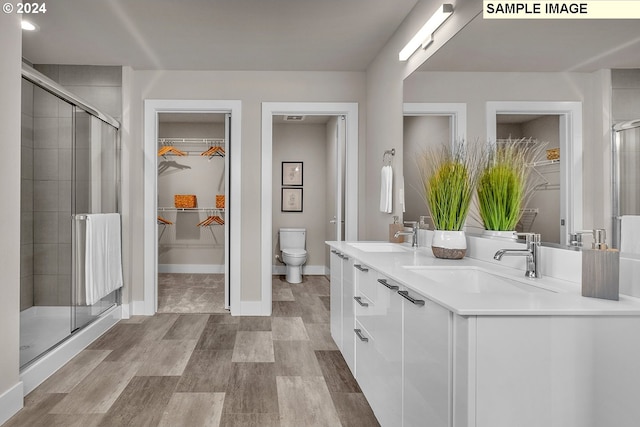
630	234
401	194
103	256
386	189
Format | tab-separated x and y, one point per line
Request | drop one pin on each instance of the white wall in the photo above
591	89
420	132
10	101
251	88
307	144
384	110
332	171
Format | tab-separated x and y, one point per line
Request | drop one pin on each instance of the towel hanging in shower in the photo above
103	256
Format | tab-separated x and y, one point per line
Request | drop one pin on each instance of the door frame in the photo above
152	108
269	109
570	114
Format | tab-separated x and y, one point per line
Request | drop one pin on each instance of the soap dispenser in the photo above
600	269
393	229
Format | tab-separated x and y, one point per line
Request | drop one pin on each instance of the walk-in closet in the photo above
192	221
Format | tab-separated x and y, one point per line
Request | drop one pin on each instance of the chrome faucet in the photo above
531	252
413	233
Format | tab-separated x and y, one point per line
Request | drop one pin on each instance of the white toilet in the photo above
292	243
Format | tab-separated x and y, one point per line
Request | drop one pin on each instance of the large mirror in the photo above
443	123
528	79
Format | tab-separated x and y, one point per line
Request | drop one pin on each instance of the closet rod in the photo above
218	141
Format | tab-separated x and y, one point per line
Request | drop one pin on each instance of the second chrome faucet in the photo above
413	233
531	252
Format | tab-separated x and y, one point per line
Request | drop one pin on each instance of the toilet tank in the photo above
292	238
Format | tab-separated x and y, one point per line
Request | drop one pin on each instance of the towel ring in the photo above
389	153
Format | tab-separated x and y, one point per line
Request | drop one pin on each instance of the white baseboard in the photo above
252	308
55	359
191	268
11	401
138	308
311	270
126	314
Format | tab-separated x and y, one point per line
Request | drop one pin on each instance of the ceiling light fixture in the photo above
424	37
28	26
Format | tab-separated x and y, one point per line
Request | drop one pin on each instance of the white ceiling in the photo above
301	35
540	45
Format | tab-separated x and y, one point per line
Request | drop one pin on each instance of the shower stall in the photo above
626	173
70	168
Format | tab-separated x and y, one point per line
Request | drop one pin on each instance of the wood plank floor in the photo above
183	368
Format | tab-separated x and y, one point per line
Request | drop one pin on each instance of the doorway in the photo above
192	192
346	184
155	110
569	129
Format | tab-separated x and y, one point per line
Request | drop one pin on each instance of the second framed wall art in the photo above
291	200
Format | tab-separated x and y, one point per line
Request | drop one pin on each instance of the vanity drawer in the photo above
365	278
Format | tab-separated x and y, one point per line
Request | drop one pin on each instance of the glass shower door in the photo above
95	191
46	187
626	170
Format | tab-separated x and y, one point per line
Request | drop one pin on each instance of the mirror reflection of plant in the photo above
449	179
505	184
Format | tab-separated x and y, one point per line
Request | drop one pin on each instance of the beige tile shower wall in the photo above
185	242
625	95
307	144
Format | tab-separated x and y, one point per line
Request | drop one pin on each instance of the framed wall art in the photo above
291	173
291	200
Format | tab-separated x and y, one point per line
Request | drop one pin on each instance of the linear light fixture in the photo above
424	37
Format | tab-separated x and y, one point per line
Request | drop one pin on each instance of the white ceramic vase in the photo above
449	244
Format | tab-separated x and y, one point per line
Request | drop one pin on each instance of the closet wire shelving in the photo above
169	146
215	148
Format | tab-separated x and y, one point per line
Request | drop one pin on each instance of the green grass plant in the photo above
504	185
449	179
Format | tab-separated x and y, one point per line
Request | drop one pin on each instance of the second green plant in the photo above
504	185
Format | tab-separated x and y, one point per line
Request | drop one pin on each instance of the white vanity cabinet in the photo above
341	304
378	335
427	371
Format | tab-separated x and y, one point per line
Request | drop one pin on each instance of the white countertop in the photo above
563	298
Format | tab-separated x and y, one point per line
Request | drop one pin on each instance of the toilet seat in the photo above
294	253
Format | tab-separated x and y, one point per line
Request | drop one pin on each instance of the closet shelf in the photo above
191	141
544	163
172	209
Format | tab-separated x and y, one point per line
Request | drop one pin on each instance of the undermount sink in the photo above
378	247
475	280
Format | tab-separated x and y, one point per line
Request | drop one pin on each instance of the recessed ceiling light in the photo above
28	26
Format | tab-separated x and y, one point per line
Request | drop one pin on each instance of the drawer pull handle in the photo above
405	294
359	301
392	287
361	268
333	251
344	257
359	334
